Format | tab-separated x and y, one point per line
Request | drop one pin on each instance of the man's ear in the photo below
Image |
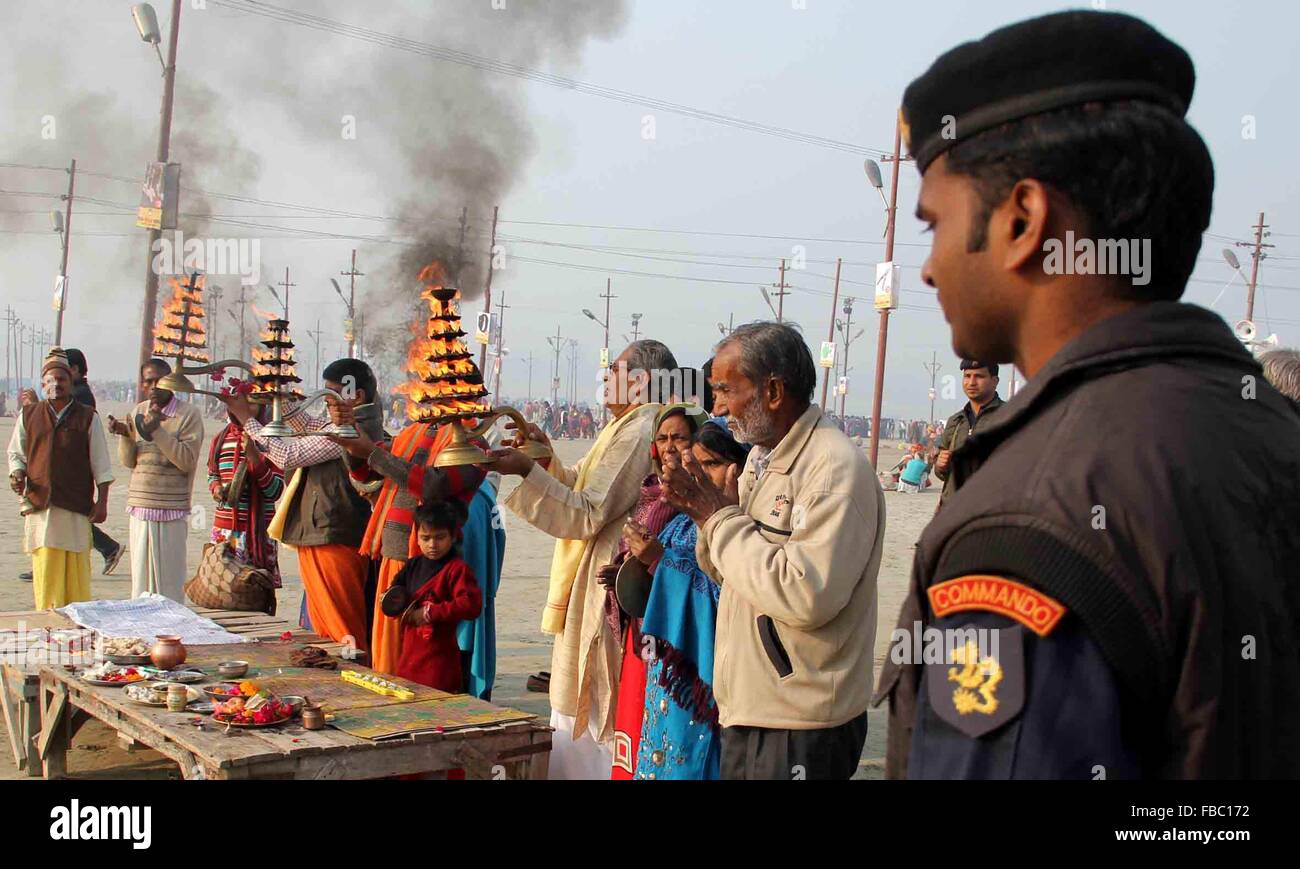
1022	223
774	392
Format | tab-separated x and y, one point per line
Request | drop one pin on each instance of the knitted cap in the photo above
56	358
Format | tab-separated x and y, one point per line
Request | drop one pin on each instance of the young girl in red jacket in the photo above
431	594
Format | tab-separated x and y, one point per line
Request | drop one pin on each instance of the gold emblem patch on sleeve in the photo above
977	681
981	685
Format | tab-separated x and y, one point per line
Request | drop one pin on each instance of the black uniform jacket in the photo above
955	432
1131	547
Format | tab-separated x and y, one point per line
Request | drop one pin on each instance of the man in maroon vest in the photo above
58	458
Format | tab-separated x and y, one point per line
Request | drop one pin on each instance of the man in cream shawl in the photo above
585	507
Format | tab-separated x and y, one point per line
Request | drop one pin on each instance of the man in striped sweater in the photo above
161	445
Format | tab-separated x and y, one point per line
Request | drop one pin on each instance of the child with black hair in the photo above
430	595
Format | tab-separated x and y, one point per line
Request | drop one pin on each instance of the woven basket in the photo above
224	581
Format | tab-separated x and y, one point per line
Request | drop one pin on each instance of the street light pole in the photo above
933	368
487	289
66	235
835	298
1256	256
883	339
352	274
164	147
501	346
555	377
848	324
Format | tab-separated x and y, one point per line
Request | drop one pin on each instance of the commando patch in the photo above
997	594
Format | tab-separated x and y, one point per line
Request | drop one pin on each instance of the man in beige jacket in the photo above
585	507
161	444
795	544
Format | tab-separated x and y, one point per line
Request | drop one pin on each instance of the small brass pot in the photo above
313	718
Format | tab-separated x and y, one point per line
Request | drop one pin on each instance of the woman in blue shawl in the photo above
483	547
679	734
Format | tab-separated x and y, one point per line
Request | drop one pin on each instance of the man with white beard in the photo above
795	543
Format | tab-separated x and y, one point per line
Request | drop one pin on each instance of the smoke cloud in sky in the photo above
430	137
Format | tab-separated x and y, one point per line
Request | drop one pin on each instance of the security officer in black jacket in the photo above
1115	592
979	380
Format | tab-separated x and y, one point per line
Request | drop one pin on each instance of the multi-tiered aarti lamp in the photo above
447	387
181	334
274	374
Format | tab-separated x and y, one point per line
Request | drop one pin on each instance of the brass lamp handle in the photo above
490	420
215	366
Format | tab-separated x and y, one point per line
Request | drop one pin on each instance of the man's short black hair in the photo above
161	364
362	378
1132	170
441	516
972	364
77	359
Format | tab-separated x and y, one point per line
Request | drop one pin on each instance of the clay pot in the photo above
168	653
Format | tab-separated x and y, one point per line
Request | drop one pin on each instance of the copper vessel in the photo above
313	717
168	653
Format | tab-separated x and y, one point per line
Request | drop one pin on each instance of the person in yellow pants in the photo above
60	577
59	468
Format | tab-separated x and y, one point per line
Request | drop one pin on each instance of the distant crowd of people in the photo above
563	420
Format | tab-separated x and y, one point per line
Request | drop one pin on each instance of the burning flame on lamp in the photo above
446	385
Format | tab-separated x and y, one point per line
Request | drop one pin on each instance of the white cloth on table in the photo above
158	558
148	616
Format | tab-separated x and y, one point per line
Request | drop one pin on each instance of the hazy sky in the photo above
714	207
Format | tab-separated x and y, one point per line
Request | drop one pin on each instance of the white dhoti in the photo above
577	759
158	558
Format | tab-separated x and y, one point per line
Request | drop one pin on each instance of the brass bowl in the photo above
232	669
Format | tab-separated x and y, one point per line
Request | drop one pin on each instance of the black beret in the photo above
1040	65
972	364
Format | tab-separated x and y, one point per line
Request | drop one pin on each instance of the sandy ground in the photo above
522	648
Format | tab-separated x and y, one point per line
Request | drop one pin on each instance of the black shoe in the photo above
111	561
25	577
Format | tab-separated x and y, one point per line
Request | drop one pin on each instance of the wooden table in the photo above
20	677
44	706
20	681
512	750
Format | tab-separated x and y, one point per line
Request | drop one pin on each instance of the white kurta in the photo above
54	527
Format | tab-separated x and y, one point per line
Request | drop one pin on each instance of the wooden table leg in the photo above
31	729
539	764
9	700
53	743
